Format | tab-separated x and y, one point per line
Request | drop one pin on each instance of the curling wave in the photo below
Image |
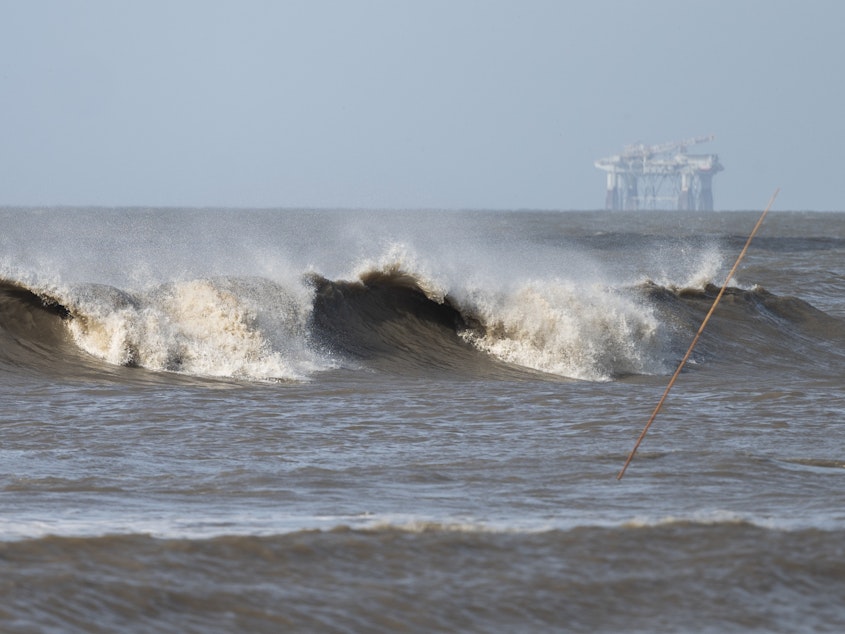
395	321
240	328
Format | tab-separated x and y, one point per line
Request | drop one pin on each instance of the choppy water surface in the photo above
344	421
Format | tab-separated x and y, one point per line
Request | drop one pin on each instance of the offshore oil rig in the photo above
661	176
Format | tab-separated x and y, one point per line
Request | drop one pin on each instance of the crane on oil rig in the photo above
656	176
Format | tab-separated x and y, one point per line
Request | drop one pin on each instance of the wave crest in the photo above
589	333
396	319
221	328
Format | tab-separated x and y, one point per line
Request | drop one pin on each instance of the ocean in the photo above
232	420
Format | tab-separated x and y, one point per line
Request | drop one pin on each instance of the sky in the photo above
446	104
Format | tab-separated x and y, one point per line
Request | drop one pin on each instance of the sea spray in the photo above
225	327
585	332
579	329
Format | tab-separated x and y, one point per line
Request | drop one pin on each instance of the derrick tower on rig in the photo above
661	176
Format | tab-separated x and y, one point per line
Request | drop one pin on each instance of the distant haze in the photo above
412	104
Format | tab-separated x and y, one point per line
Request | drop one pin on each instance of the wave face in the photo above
250	329
404	309
387	320
256	329
550	328
241	328
751	327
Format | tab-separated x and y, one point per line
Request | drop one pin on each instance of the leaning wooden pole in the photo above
697	336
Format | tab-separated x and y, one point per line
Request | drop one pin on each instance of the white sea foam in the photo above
577	328
224	328
585	332
262	522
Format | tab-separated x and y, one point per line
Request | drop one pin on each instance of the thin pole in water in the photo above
697	336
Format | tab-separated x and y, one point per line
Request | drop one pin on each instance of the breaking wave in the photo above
239	328
394	320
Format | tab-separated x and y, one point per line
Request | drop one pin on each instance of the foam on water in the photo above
577	327
219	328
585	332
273	522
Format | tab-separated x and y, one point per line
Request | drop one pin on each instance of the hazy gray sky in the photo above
423	103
